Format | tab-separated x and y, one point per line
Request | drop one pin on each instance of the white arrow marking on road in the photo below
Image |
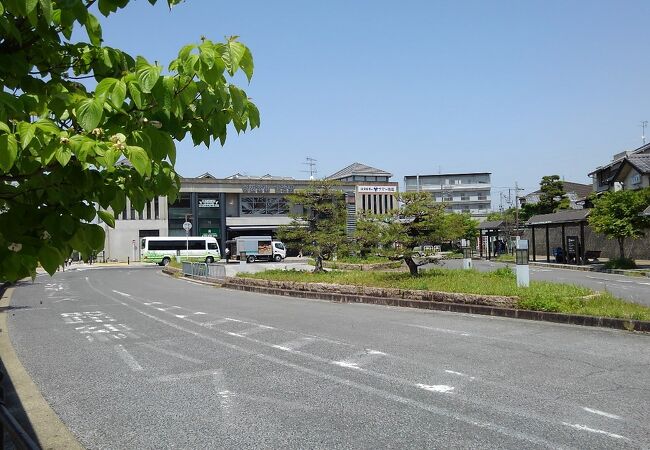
442	388
577	426
601	413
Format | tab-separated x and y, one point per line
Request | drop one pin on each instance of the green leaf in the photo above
94	236
119	94
247	65
4	127
26	131
139	158
8	151
147	74
104	87
162	145
30	6
107	217
46	7
253	115
94	30
136	94
63	155
232	52
89	113
47	126
50	258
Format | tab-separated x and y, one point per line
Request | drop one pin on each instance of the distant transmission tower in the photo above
311	163
644	124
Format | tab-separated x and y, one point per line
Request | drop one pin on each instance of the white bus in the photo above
162	249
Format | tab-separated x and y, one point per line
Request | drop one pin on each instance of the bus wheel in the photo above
165	261
250	259
277	258
209	260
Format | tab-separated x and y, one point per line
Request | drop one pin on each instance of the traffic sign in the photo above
187	226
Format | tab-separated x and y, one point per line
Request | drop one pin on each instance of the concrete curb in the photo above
50	432
592	268
573	319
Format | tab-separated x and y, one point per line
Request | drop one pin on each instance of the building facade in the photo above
238	205
626	170
461	192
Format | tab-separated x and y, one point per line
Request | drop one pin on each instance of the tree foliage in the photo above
319	227
552	198
418	221
618	215
60	139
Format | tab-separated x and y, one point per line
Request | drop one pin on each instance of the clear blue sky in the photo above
518	88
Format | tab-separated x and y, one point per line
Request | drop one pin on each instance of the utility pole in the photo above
644	124
517	208
311	163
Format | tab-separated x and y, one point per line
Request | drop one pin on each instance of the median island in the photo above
540	296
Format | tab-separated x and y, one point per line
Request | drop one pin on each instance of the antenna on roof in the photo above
311	163
644	124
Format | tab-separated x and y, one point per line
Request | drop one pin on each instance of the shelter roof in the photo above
560	217
646	212
490	225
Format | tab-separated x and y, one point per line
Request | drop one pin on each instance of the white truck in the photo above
256	248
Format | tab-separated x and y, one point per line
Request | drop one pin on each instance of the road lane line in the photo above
601	413
124	294
184	376
577	426
460	374
295	344
441	330
127	358
360	359
171	353
359	386
441	388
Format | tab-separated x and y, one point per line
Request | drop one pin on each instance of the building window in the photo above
264	205
464	196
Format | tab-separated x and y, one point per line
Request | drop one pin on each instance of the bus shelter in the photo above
573	246
490	230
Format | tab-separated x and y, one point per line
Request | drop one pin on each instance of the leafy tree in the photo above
507	215
618	215
320	226
60	139
367	234
551	198
460	226
418	221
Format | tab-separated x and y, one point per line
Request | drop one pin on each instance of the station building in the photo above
241	205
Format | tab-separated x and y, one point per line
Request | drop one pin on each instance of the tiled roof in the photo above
646	212
581	190
564	216
359	169
640	163
644	149
492	225
239	176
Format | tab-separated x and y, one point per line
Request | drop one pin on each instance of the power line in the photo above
311	163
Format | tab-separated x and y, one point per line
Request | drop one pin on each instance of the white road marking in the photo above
601	413
185	376
442	388
594	430
343	381
440	330
127	358
213	323
171	353
234	334
295	344
460	374
199	313
255	330
180	316
122	293
349	365
232	320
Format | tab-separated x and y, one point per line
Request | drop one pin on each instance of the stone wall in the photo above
419	295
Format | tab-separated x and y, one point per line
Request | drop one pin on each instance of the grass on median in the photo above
540	296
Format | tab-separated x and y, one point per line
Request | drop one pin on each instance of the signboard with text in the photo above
208	203
377	189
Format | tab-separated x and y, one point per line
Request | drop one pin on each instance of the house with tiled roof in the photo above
626	170
575	192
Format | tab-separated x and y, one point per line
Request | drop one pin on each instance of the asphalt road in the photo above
635	289
130	358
